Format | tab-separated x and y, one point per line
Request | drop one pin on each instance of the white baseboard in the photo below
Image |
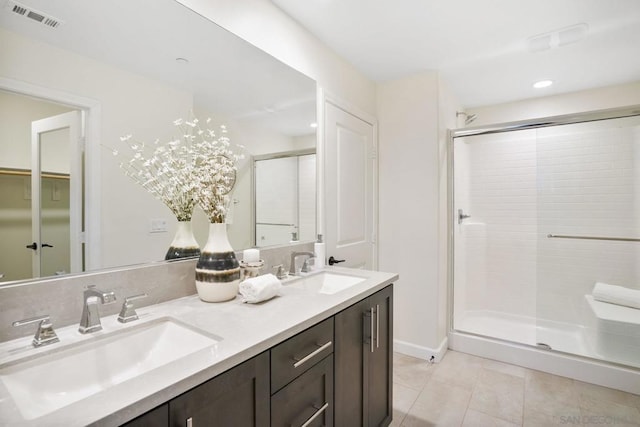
421	352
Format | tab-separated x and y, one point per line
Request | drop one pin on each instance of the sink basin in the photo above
328	283
44	384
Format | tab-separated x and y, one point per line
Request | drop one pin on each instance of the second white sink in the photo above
328	283
60	378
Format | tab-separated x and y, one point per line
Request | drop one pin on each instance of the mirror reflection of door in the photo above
285	198
55	178
50	192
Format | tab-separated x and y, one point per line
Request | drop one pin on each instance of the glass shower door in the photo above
588	212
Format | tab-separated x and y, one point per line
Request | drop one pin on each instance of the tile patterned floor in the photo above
465	390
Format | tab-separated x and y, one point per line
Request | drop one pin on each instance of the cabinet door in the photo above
238	397
363	362
349	364
379	362
306	401
158	417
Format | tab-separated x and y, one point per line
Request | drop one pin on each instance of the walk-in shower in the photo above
540	213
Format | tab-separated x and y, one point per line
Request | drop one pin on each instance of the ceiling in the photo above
483	48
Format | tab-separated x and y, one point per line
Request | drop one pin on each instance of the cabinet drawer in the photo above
308	400
300	353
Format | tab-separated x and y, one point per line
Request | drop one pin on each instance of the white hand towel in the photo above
260	288
618	295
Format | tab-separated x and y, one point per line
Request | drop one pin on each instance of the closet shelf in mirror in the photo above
27	172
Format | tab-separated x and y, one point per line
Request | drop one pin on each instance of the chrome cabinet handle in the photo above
315	415
189	422
310	355
371	319
377	325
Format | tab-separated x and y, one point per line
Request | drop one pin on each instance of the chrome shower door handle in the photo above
462	216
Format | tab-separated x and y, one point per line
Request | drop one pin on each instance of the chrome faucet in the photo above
294	255
44	334
90	320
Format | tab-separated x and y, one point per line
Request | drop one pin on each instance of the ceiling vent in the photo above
557	38
34	15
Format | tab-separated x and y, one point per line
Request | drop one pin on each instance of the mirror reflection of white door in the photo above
350	159
56	195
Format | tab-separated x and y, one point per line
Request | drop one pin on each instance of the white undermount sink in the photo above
44	384
328	283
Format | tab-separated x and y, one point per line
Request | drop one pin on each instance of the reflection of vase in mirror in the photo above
217	270
184	244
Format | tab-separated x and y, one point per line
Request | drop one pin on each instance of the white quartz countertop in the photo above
243	330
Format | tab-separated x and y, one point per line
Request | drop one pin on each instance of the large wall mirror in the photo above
134	67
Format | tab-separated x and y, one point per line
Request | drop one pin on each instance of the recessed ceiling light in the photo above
313	125
542	83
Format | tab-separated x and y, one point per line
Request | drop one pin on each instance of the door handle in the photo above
33	246
46	245
332	260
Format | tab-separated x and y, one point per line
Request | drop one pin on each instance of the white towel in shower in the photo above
618	295
260	288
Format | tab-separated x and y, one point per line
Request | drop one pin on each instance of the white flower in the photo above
197	168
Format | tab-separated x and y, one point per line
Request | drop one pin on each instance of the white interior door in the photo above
56	194
350	165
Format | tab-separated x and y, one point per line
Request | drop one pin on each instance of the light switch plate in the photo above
158	225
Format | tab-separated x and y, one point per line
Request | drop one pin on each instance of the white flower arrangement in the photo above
199	167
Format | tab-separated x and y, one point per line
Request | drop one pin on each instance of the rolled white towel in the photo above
260	288
614	294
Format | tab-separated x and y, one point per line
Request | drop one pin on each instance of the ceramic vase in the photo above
184	245
217	270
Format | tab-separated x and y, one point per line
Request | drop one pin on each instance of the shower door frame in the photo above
543	122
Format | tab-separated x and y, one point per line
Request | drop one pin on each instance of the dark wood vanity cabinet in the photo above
337	372
158	417
363	352
238	397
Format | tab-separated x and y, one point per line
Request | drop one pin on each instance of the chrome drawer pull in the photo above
371	340
310	355
315	415
378	326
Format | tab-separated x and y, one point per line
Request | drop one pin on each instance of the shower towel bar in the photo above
615	239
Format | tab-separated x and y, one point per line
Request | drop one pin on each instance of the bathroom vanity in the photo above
320	354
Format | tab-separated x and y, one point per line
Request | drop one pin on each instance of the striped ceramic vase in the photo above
217	270
184	245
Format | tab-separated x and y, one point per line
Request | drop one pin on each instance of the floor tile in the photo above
429	414
500	395
403	398
596	411
607	394
470	391
474	418
411	372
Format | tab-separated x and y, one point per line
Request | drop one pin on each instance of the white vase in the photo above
217	270
184	244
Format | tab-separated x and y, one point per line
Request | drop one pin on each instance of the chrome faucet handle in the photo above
280	273
305	265
128	313
44	334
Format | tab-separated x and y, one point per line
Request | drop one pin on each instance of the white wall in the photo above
570	103
264	25
412	139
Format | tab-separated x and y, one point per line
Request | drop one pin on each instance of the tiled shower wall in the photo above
520	186
588	186
496	185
